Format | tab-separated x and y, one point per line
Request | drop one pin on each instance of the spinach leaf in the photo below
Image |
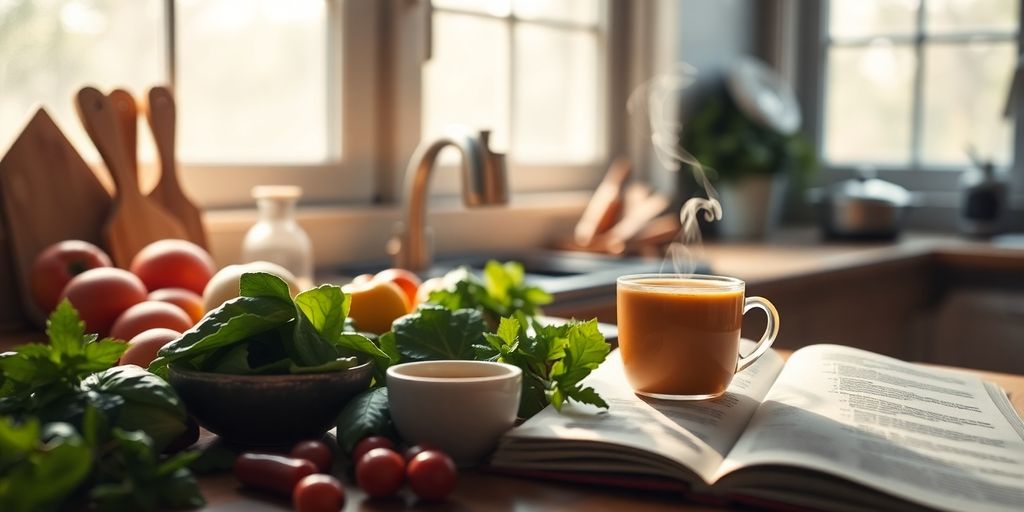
367	414
231	323
433	332
319	321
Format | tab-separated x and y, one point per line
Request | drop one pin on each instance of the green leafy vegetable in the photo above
367	414
265	331
31	454
554	359
501	292
76	433
434	332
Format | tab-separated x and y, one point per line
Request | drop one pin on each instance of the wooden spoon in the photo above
134	220
127	119
162	116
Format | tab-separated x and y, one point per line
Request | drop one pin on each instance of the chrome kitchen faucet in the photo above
484	183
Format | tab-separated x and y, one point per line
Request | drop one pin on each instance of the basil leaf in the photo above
433	332
55	455
149	402
367	414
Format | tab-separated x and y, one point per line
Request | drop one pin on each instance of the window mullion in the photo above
917	109
511	23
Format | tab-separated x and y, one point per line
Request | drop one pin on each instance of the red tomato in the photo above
415	450
316	452
187	300
368	443
406	280
272	472
101	294
431	475
143	347
57	264
318	493
173	264
149	315
380	472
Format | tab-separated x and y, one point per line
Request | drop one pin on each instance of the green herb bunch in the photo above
493	318
76	429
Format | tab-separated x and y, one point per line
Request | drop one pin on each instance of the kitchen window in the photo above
911	84
317	92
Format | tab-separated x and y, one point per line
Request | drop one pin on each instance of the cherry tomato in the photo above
431	475
415	450
316	452
318	493
369	443
380	472
272	472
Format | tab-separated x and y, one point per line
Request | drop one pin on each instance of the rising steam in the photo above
652	101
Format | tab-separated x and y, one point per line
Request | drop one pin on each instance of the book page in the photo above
930	436
692	434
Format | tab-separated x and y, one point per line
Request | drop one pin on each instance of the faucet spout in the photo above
484	183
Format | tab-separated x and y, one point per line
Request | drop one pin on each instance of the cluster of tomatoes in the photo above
150	304
380	472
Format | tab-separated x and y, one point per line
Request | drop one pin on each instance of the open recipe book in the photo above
832	428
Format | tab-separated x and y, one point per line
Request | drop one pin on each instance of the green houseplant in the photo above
748	163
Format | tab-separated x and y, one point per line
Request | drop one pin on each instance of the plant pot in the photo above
751	207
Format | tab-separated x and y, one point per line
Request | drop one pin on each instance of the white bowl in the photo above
462	407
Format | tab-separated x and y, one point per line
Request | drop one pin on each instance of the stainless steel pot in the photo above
864	208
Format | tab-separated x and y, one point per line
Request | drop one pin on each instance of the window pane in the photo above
491	7
868	104
854	18
466	82
252	81
964	90
584	12
50	49
557	117
971	15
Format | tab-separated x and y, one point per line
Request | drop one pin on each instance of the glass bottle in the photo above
276	237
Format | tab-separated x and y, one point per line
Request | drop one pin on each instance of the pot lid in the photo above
869	189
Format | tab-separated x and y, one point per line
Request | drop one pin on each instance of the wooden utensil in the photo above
49	194
128	120
605	205
162	116
134	220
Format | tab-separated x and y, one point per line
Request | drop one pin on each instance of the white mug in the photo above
462	407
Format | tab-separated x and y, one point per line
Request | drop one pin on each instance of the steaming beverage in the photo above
679	335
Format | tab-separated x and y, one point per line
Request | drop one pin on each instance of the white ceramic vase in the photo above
751	207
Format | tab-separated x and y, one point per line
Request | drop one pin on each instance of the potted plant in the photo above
749	162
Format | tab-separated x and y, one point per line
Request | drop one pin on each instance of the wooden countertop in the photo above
481	491
801	253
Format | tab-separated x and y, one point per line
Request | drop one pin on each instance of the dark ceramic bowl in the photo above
268	410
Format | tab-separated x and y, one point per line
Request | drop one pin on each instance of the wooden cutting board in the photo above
49	194
162	115
135	220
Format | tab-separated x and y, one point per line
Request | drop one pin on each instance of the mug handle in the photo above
771	331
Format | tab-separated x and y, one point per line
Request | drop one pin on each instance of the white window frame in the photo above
353	27
378	57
